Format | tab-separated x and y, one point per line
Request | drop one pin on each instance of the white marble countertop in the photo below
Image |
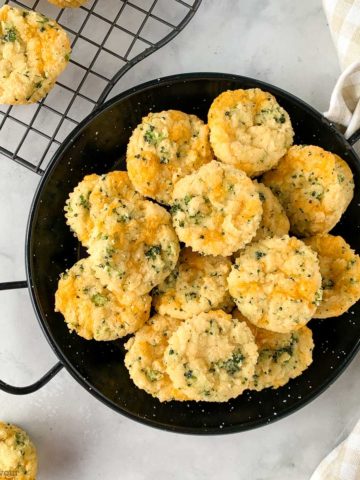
286	43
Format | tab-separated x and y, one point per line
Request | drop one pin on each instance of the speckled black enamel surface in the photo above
98	145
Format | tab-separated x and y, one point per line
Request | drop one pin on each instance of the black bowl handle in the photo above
355	137
45	378
34	386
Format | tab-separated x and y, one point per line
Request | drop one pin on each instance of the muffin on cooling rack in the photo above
68	3
34	50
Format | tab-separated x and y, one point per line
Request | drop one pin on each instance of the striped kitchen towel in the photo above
344	22
343	463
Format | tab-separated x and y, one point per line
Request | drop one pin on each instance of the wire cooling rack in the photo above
108	38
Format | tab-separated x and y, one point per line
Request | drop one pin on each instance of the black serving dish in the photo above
98	145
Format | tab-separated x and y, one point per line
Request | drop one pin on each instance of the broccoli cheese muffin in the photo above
34	50
135	247
340	271
165	147
111	186
91	200
18	459
216	210
276	283
77	209
144	358
211	357
93	311
282	356
314	186
274	222
68	3
249	130
198	284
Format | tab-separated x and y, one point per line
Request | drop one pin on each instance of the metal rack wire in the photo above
107	40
